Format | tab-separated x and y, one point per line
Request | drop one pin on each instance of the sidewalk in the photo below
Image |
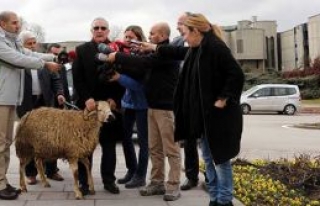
61	193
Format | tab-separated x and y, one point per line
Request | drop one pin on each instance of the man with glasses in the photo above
91	87
13	60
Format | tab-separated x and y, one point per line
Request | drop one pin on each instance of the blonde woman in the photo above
206	101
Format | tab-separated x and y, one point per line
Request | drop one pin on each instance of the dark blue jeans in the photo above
220	178
139	168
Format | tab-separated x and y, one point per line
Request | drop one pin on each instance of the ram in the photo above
49	133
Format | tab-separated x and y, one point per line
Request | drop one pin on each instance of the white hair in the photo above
25	35
100	19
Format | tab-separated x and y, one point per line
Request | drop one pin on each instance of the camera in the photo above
62	58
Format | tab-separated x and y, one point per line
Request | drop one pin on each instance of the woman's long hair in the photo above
137	30
201	23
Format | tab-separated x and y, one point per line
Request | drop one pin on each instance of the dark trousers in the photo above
191	159
110	133
140	117
50	165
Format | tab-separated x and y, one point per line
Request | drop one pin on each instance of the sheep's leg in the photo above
73	164
23	163
39	164
86	163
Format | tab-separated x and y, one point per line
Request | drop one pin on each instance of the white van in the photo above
281	98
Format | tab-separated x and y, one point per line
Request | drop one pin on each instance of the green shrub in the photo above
309	85
310	93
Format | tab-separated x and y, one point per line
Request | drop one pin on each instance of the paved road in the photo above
61	193
271	136
265	136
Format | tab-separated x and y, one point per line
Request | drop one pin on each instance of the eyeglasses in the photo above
31	43
102	28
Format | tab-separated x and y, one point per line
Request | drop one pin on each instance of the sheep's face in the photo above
104	112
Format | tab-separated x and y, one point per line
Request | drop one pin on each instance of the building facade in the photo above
254	44
294	48
314	37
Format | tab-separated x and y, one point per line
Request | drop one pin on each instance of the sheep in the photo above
49	133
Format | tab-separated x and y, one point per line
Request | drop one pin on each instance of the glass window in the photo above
280	91
262	92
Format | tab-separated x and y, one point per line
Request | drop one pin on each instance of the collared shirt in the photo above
36	89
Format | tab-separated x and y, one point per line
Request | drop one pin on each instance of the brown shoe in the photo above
32	180
56	177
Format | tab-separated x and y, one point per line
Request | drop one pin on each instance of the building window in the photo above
239	46
272	52
267	51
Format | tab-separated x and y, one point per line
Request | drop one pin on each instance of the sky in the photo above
70	20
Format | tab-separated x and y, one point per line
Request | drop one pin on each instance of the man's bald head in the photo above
10	22
159	32
6	15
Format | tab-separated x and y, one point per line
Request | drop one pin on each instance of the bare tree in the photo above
115	32
35	28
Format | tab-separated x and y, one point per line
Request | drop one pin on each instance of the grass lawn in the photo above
311	101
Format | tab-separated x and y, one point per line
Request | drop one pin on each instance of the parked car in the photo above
281	98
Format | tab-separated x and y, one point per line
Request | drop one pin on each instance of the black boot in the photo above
213	203
126	178
226	204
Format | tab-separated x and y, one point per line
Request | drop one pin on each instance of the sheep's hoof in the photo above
24	189
92	192
79	197
46	184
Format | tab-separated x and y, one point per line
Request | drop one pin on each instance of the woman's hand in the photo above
114	77
220	103
111	57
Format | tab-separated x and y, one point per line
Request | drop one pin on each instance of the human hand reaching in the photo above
52	66
90	104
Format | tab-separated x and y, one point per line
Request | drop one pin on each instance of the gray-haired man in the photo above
13	60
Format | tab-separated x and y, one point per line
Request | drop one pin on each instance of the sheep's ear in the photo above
87	113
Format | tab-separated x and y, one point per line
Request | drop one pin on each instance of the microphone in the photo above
105	49
102	57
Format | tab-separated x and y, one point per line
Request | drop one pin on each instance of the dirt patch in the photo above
308	125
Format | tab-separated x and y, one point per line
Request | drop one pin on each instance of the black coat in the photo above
51	87
161	76
87	73
220	76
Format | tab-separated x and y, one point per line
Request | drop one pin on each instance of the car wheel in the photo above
245	109
289	109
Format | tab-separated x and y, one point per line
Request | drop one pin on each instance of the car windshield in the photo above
249	90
